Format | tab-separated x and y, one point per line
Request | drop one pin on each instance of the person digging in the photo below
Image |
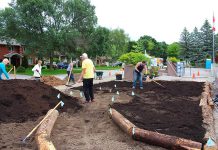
37	70
87	76
138	74
70	73
3	68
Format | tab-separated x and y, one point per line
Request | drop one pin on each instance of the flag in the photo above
214	29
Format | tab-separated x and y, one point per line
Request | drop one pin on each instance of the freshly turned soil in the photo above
53	81
173	110
23	100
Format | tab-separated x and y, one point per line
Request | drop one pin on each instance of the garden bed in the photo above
173	110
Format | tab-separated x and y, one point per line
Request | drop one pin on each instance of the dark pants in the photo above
88	89
71	76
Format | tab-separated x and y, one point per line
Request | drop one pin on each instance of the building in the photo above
11	50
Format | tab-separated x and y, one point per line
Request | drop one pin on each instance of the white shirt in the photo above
39	68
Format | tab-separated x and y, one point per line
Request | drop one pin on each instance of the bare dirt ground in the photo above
91	128
88	128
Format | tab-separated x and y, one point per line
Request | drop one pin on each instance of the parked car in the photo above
62	65
118	63
47	64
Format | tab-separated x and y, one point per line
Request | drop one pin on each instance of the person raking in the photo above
3	68
37	70
138	74
70	72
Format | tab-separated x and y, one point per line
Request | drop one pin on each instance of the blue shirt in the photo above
3	70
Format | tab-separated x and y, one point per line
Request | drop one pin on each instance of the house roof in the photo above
10	42
9	55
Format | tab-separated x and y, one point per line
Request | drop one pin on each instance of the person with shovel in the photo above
3	68
138	74
37	70
70	72
87	75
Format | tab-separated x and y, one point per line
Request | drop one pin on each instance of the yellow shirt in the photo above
89	66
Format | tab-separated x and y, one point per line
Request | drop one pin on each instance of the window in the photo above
11	48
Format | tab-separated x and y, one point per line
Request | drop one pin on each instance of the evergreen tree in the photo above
185	44
207	37
196	45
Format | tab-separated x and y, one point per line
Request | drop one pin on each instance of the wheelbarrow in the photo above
99	74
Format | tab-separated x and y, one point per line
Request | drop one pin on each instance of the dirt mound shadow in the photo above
23	100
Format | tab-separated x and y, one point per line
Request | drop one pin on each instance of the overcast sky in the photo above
162	19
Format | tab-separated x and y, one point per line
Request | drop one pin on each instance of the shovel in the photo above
158	84
10	70
68	80
41	80
31	132
148	79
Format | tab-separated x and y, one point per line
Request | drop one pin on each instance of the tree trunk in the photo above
51	60
166	141
121	121
44	131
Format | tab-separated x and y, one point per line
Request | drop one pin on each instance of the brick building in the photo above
11	50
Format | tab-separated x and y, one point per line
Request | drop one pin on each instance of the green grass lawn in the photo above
47	72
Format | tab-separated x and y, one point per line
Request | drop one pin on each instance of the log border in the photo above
43	133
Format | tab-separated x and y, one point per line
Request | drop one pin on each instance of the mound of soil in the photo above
53	81
23	100
173	110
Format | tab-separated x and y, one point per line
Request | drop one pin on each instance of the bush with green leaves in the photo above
133	58
56	60
21	69
8	67
173	59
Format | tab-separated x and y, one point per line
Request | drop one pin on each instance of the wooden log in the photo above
208	123
121	121
207	106
165	141
44	131
203	101
210	101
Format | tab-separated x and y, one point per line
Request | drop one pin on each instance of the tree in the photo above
100	42
196	45
147	43
46	26
207	37
196	42
185	44
173	50
133	58
162	49
119	43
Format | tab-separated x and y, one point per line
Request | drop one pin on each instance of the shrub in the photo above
154	71
8	67
56	60
134	58
21	69
173	59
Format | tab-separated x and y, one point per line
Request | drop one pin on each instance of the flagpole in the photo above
213	39
213	66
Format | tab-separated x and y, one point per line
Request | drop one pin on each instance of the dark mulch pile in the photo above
23	100
173	110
